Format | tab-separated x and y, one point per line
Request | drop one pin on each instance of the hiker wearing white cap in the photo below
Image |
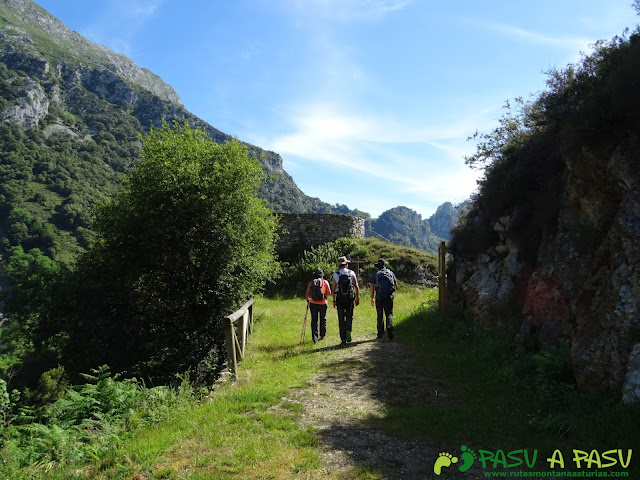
346	293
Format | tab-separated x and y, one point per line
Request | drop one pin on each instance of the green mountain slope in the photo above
404	226
72	113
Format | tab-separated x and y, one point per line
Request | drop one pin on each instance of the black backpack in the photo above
344	289
385	284
316	290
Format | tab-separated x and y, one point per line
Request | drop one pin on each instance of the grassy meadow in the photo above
497	398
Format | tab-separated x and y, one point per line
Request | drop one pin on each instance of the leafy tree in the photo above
185	243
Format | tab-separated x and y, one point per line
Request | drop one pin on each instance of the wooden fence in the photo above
237	328
442	279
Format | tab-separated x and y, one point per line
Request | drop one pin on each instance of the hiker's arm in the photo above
371	290
357	287
333	291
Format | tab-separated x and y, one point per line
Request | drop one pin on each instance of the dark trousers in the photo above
318	312
384	309
345	319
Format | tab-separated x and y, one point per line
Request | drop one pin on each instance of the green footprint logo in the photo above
468	457
444	460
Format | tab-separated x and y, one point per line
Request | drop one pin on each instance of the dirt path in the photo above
357	383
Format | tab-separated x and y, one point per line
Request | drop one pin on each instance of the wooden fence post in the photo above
230	340
442	279
243	321
236	343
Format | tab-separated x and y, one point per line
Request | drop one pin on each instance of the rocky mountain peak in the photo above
23	21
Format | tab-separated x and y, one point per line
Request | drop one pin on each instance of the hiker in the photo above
346	292
384	282
318	291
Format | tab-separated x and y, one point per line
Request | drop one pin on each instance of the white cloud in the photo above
568	42
425	162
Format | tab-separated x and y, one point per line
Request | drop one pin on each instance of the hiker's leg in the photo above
342	316
314	321
388	307
323	320
388	310
380	321
349	320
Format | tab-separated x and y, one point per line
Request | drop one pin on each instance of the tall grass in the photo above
500	397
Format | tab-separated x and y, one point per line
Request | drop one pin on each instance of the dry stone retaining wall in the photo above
311	230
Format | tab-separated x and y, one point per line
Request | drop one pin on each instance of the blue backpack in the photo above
385	284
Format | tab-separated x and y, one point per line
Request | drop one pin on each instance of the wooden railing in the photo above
236	335
442	279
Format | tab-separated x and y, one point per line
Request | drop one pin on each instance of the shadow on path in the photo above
348	402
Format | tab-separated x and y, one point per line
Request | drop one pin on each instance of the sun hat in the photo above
343	261
381	263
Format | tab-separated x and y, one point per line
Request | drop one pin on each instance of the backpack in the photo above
344	289
316	290
385	284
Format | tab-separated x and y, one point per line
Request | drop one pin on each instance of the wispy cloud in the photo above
349	10
569	42
372	147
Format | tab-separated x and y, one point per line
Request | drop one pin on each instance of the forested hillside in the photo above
73	113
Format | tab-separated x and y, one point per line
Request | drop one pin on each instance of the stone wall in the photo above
311	230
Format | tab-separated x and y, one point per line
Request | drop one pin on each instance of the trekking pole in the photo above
304	326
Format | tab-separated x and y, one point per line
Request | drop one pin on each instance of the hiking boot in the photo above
348	335
379	336
315	339
390	333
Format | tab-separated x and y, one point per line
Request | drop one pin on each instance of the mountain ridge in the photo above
89	102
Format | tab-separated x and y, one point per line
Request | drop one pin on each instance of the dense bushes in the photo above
586	107
81	423
184	244
299	266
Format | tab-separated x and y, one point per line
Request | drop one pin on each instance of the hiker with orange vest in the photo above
317	292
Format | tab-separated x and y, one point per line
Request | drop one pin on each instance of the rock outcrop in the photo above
445	218
404	226
584	284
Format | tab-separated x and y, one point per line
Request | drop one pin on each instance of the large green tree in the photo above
184	244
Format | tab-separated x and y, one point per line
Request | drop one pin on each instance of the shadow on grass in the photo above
442	384
372	379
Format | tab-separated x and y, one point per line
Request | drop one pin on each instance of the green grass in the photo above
247	430
490	396
499	397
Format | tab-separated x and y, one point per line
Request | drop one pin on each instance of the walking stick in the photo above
304	326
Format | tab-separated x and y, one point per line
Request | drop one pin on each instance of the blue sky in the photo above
369	102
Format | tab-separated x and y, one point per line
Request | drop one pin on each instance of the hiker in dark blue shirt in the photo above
384	284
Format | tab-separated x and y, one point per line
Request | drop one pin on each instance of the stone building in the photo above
311	229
